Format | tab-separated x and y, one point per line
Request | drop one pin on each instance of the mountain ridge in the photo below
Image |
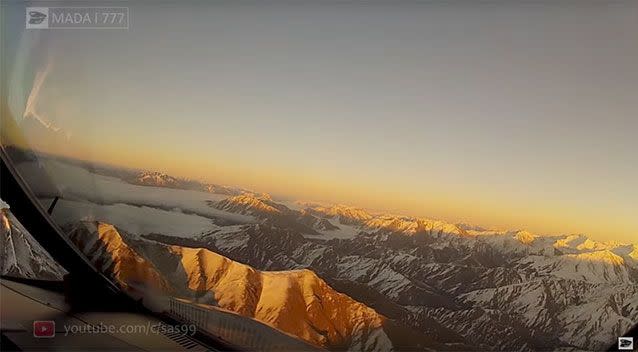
296	302
22	256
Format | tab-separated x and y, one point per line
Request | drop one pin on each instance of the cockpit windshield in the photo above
337	175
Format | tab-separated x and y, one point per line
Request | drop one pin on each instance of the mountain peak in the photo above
218	189
297	301
20	254
252	204
525	237
101	240
347	215
156	179
601	256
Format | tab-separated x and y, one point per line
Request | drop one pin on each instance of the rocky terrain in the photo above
20	254
492	289
297	302
452	286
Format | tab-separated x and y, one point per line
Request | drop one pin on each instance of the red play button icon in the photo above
43	328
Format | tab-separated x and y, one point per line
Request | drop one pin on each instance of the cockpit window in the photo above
340	176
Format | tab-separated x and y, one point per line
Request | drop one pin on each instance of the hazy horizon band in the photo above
515	117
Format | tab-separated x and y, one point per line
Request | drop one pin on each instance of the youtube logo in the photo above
43	328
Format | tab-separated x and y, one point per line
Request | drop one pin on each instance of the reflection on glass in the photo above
208	175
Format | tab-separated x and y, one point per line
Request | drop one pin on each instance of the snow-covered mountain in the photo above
21	255
219	189
155	179
159	179
344	214
263	207
297	301
250	204
457	283
107	250
306	218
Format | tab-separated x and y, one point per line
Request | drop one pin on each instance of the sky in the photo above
514	115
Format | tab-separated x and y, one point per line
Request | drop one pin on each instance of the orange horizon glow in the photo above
486	212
